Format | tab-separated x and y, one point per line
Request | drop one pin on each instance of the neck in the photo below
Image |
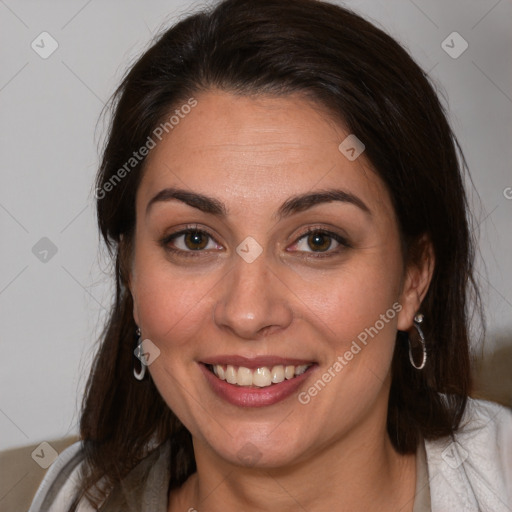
353	473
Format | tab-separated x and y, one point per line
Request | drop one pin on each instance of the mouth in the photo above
258	382
261	377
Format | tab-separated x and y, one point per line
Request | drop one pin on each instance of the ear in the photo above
417	278
126	270
135	312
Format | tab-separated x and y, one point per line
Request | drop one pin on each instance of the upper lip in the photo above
255	362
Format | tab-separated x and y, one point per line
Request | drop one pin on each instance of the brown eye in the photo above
190	241
319	242
196	240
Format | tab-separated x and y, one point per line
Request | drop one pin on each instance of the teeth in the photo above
230	374
299	370
221	373
244	377
277	374
261	377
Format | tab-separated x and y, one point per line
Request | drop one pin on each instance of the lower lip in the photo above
243	396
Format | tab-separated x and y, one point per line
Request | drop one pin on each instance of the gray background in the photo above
52	305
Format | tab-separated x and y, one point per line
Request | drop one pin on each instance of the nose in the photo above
253	301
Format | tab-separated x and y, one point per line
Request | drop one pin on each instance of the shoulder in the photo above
472	470
58	488
145	487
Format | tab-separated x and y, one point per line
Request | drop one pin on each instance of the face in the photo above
267	271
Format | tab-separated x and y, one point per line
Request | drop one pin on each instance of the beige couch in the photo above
20	474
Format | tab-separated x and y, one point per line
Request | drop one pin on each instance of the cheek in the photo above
353	299
172	308
171	304
355	313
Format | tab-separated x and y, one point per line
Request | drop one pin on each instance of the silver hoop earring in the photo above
139	353
419	338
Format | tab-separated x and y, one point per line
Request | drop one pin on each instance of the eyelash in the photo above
187	254
195	229
343	242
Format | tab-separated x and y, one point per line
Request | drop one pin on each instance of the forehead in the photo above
254	151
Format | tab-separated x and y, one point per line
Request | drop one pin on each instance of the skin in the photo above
252	154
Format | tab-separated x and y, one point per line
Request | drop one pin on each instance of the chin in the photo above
257	451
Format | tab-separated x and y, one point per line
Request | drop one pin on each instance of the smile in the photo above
258	382
260	377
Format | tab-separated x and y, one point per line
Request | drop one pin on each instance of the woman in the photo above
282	195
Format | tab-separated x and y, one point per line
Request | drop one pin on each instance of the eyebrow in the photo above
290	206
201	202
305	201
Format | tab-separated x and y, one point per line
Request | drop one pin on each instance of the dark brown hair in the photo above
367	81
